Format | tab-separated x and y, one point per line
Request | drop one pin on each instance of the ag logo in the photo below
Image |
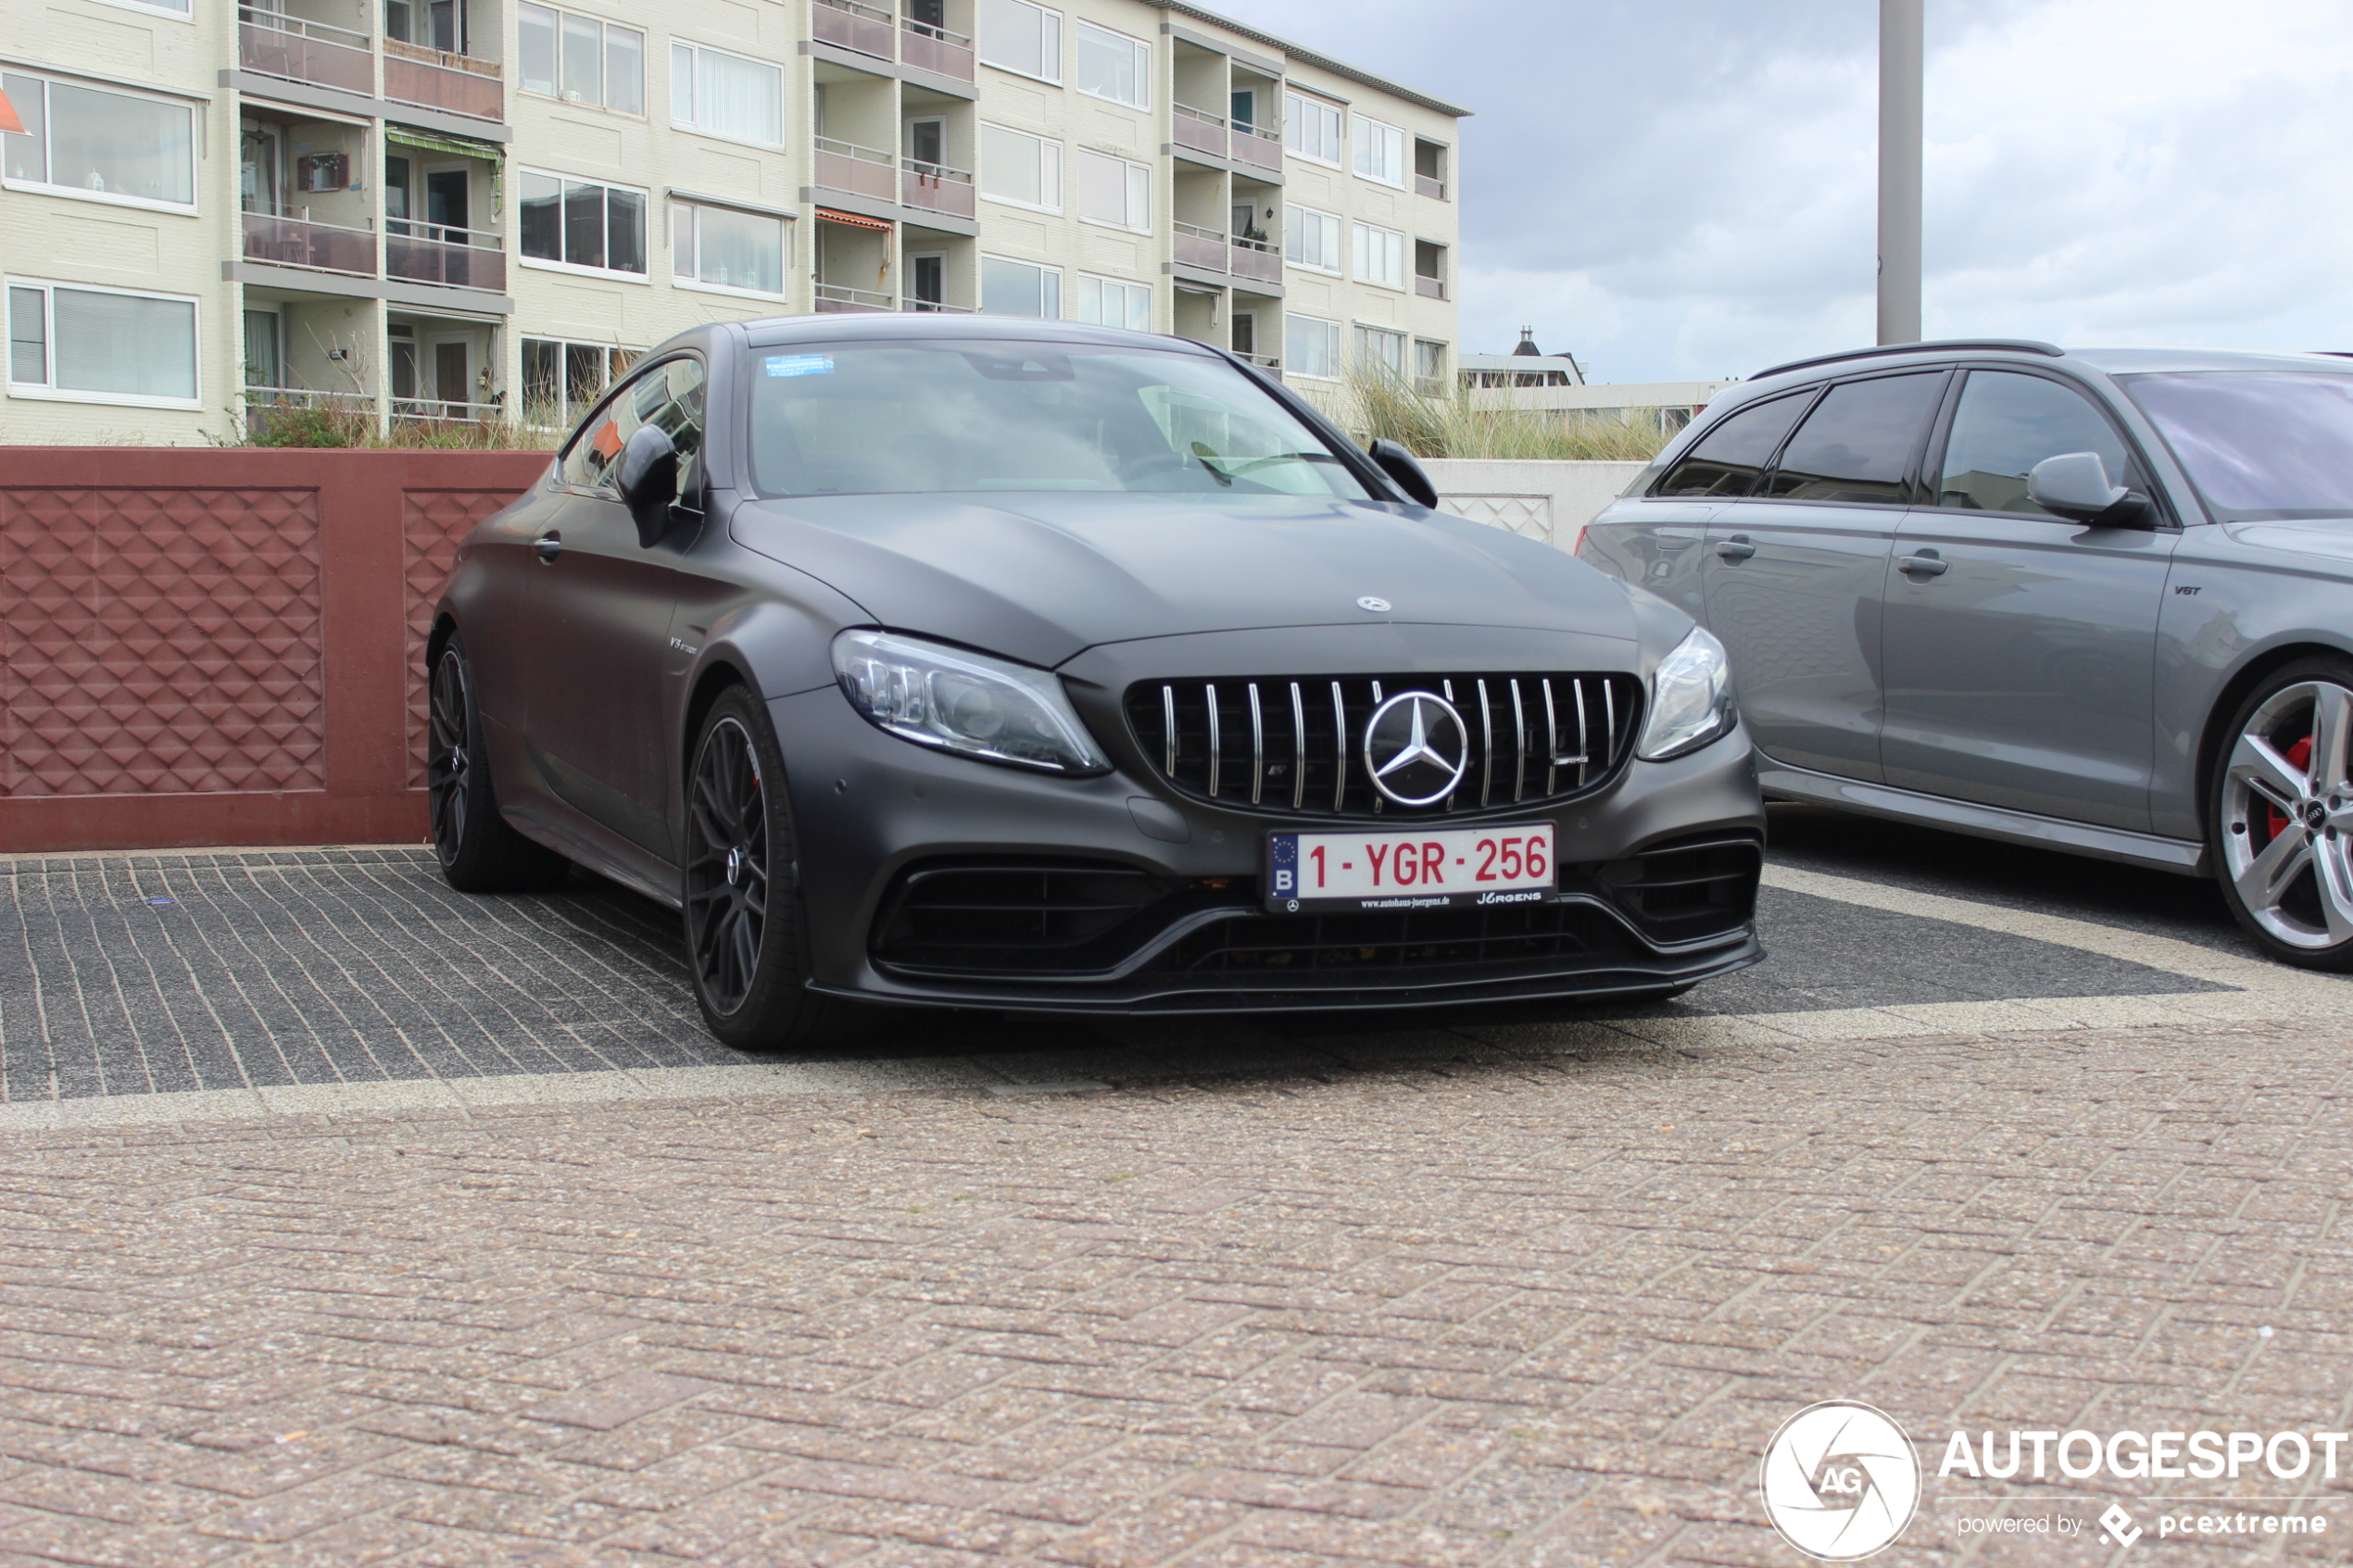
1840	1480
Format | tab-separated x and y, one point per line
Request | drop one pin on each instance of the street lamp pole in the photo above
1900	48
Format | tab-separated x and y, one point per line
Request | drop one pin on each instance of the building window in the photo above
1380	256
1380	152
1311	346
98	144
1018	36
1429	366
569	222
101	346
580	59
722	95
1020	288
727	248
1379	346
1312	239
1310	129
1114	66
1023	169
560	380
1107	302
1113	191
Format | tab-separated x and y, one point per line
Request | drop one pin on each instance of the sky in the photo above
1686	189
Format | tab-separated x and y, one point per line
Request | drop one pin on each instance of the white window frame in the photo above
145	9
604	60
688	126
1131	185
1357	231
980	169
49	391
684	207
1123	284
1339	343
612	377
980	43
1403	369
1293	233
1296	105
1368	134
109	198
1039	267
1143	52
646	241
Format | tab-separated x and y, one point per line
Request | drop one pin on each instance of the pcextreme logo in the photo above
1840	1480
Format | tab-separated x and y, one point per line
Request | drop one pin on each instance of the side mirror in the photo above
1399	464
647	478
2075	485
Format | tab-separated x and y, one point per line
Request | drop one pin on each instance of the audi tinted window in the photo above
1857	442
1727	460
2258	445
2006	424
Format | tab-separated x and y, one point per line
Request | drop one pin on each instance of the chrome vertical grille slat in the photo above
1487	745
1168	711
1298	748
1584	747
1216	744
1610	725
1519	745
1340	750
1257	747
1551	738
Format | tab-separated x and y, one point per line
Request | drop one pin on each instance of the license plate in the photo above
1432	869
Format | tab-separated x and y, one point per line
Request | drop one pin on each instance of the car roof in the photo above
2114	361
777	331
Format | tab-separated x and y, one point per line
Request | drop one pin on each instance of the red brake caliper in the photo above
2300	756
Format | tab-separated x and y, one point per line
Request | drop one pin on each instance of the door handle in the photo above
550	544
1735	548
1925	563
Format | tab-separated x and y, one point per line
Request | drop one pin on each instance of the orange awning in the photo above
827	215
9	120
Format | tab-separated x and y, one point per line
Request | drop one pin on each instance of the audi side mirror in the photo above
2075	485
648	480
1399	464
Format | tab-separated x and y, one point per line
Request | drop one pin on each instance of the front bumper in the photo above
874	813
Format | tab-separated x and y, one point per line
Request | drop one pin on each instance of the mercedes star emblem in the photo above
1371	603
1416	748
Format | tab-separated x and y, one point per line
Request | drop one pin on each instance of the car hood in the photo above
2330	539
1039	577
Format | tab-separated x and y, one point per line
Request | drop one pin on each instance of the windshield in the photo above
848	419
2258	445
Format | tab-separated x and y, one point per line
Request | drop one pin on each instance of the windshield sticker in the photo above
800	364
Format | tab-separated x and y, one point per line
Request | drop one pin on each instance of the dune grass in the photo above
1380	405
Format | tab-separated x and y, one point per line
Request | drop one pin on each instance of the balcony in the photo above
458	259
1434	188
934	187
1265	362
849	24
1200	130
841	299
1255	259
321	248
1430	288
936	49
295	50
1258	147
436	79
865	171
1197	246
435	411
937	305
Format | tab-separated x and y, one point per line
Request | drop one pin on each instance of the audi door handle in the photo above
1735	548
549	545
1927	565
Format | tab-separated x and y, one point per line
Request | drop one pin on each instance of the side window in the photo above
1727	460
1858	441
669	395
2009	422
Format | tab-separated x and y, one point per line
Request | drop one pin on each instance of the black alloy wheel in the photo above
479	853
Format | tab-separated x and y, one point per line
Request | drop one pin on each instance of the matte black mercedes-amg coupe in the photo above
1020	665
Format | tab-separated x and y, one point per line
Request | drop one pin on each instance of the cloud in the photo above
1689	189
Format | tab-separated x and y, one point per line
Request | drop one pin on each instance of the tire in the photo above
746	937
2279	814
479	852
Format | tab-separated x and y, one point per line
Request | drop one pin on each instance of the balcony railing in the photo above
866	172
939	305
1265	362
1258	147
436	79
435	253
937	188
936	49
1255	259
1197	246
273	44
852	25
840	298
1426	186
447	410
322	247
1430	288
1200	130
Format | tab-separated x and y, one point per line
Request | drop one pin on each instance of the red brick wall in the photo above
218	645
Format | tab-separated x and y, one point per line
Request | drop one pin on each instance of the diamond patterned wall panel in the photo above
161	641
431	521
1529	515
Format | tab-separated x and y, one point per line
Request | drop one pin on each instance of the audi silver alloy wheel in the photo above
2287	812
727	865
446	761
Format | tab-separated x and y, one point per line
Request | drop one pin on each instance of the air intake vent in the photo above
1295	744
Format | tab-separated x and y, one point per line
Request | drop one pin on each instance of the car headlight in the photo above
964	702
1691	699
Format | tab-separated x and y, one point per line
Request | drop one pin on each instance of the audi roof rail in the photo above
2016	344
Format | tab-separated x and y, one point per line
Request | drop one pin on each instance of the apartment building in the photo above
454	210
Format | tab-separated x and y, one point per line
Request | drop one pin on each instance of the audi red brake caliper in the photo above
2300	756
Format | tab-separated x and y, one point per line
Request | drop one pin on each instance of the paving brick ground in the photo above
1518	1295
